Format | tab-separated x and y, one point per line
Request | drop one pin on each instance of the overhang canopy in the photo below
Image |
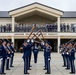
35	9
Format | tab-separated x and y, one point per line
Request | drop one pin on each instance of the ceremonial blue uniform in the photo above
44	47
72	58
3	56
48	57
35	51
0	52
64	56
67	59
12	56
0	57
8	57
29	58
26	54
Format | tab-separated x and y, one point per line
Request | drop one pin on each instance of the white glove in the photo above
49	59
60	50
28	40
42	43
32	40
9	53
67	53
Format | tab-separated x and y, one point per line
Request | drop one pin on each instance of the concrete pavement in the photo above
37	69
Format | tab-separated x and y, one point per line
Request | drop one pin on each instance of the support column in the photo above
13	39
58	43
58	23
13	23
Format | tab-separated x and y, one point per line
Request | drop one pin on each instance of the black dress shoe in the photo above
72	72
11	66
63	66
30	66
26	73
8	69
47	73
44	69
29	69
3	73
67	68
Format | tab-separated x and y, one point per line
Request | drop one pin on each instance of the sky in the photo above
64	5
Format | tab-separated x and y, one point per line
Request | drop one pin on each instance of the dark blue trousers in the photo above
11	61
68	62
48	65
64	60
25	65
30	60
7	64
3	65
0	65
72	66
35	58
45	60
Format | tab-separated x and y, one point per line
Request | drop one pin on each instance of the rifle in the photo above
33	28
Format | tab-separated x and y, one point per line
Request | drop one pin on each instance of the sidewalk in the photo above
37	69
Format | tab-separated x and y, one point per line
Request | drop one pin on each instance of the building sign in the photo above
19	34
50	34
23	34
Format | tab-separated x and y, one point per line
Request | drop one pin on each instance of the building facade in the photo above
57	26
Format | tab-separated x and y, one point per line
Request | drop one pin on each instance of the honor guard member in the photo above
3	54
12	55
62	51
8	56
67	57
72	57
30	54
0	58
44	48
26	47
48	57
30	41
35	52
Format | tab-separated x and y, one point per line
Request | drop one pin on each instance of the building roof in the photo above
4	14
69	14
66	14
33	4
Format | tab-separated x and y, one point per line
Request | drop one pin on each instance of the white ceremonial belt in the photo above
1	59
7	57
11	55
62	53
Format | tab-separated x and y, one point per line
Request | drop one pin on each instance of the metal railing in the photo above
44	28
